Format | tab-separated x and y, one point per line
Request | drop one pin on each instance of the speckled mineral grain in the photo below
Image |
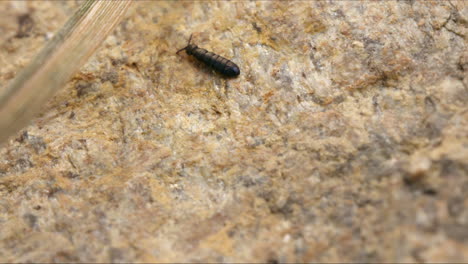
345	138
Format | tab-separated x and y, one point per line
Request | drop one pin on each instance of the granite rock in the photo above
345	138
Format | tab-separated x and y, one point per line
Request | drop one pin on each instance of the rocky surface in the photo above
345	138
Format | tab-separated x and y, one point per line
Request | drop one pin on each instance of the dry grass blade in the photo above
56	62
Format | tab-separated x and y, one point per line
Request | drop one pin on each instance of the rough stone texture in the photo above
345	138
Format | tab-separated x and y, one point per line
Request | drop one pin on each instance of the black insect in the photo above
218	63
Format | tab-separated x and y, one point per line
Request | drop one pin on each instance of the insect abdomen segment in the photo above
218	63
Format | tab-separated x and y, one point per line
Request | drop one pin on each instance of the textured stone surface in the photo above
345	138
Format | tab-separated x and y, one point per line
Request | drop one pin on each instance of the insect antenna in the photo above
190	39
181	50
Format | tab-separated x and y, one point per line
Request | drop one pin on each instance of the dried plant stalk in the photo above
56	62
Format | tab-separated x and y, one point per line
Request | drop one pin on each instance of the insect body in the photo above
218	63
